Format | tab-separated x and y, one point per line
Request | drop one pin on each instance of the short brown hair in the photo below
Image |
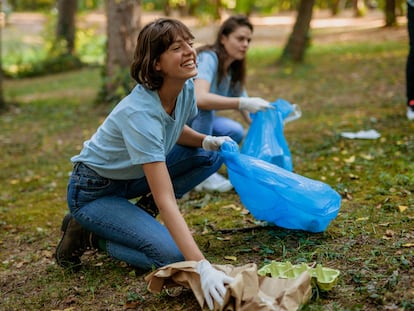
153	40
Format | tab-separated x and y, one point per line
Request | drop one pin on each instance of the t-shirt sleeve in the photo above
192	97
207	63
142	138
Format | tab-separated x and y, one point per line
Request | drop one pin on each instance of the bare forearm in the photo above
163	193
190	138
181	234
210	101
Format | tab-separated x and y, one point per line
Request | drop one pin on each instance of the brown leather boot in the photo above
147	203
74	242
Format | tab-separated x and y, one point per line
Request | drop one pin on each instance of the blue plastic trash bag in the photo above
289	112
265	139
279	196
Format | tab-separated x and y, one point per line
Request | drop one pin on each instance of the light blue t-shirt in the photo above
137	131
207	66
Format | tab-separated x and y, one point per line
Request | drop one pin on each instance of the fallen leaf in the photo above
367	156
389	233
353	176
408	245
385	224
225	238
350	159
20	264
402	208
47	253
245	211
232	206
130	305
232	258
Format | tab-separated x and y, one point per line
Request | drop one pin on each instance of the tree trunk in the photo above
337	6
65	27
400	7
2	101
299	38
359	8
217	9
123	24
390	16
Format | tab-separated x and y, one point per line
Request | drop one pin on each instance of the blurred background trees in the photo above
67	46
122	29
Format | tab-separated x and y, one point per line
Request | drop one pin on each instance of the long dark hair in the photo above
153	40
238	67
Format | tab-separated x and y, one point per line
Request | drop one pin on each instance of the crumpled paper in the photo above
249	291
370	134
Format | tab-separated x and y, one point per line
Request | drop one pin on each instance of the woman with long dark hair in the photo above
220	85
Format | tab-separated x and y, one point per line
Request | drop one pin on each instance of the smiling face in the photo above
164	50
237	42
179	60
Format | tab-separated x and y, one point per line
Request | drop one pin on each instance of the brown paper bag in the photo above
249	291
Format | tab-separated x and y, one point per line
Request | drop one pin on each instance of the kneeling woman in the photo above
144	149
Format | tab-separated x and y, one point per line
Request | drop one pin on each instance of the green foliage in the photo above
38	55
48	66
121	84
47	5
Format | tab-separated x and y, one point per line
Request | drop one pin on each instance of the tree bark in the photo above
2	101
65	27
359	8
337	6
390	16
299	39
123	24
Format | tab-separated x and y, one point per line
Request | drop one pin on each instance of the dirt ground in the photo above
269	30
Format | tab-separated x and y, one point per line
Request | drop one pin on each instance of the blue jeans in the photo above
103	206
208	123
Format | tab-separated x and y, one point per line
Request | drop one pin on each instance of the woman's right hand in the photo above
253	104
212	283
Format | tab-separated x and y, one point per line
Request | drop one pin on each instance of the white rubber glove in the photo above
213	143
212	283
253	104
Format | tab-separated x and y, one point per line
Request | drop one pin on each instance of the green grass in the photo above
341	87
